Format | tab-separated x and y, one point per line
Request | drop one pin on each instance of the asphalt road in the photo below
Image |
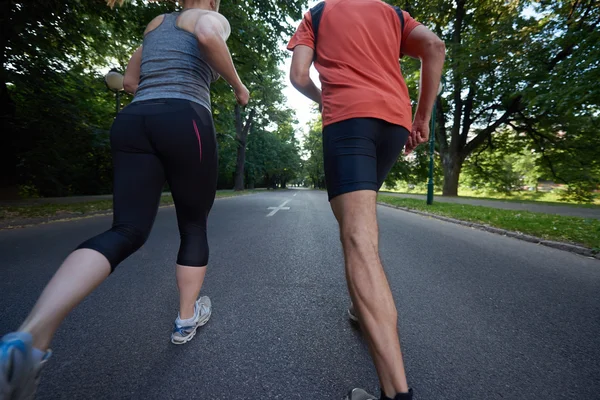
482	316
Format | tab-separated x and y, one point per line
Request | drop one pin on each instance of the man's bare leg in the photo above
368	286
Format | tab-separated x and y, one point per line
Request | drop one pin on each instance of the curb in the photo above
572	248
30	222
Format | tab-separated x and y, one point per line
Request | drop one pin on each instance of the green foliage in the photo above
580	192
61	135
270	161
503	165
414	169
56	111
313	148
526	64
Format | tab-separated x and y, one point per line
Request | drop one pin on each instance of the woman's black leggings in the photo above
152	142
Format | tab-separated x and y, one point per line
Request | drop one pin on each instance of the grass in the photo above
517	198
69	209
583	231
551	198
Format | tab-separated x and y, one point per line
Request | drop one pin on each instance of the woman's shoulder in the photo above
155	23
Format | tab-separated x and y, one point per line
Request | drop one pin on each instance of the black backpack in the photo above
317	12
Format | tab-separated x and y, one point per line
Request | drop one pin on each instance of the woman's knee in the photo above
118	243
193	251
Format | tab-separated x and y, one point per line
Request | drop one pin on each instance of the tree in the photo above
271	160
413	169
502	68
56	111
240	137
313	148
257	62
504	167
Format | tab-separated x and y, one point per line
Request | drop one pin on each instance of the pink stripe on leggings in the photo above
199	140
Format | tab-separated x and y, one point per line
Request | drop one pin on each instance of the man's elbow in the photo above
435	47
440	47
299	78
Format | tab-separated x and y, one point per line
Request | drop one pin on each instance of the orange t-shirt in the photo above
358	54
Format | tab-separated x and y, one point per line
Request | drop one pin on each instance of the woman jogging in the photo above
165	135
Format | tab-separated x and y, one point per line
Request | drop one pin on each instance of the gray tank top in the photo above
173	66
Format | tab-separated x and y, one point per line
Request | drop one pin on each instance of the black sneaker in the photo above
352	314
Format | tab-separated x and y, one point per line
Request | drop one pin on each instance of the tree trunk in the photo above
452	166
241	136
238	182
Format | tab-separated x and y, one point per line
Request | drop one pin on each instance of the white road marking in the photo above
295	194
275	209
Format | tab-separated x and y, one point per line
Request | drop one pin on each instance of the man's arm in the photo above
131	80
212	30
302	59
423	44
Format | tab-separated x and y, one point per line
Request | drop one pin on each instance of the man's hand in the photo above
242	95
423	44
419	134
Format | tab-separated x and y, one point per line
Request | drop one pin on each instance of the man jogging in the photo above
367	121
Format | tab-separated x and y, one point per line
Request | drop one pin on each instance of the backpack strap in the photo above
401	16
315	14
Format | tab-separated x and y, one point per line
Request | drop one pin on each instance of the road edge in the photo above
572	248
31	222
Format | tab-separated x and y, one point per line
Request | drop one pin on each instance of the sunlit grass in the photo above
552	198
584	231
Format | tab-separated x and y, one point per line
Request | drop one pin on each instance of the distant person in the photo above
165	135
367	121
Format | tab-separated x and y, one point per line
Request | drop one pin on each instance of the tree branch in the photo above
442	138
467	115
238	122
484	135
573	7
249	121
242	130
456	76
532	132
479	114
568	49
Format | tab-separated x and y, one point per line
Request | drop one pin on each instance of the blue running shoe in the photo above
19	372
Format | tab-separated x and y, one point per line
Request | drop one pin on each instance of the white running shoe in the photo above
184	333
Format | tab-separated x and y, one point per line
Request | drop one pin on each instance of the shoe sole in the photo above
353	318
191	335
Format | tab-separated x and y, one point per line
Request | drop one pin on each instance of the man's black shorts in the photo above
359	153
